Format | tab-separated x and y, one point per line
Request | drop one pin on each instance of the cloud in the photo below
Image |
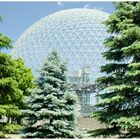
86	6
60	3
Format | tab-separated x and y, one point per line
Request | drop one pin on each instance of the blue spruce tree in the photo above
52	106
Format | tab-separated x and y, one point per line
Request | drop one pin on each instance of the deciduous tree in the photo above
15	81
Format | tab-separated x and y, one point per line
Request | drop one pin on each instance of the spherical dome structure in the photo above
77	34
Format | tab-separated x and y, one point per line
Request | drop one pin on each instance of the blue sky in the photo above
18	16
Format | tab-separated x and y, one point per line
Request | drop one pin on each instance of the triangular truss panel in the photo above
77	34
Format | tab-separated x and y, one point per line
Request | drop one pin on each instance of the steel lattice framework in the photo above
77	34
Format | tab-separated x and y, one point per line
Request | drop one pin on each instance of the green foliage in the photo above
120	100
15	82
104	132
1	134
52	106
5	42
10	128
9	110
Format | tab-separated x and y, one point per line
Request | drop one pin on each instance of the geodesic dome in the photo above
77	34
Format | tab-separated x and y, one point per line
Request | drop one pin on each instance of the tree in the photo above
52	106
9	91
120	100
15	81
25	81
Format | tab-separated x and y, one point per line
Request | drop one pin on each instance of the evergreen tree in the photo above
120	100
52	106
15	81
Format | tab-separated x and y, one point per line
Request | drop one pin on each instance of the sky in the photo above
18	16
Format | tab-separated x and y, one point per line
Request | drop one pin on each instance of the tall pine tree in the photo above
52	106
120	100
